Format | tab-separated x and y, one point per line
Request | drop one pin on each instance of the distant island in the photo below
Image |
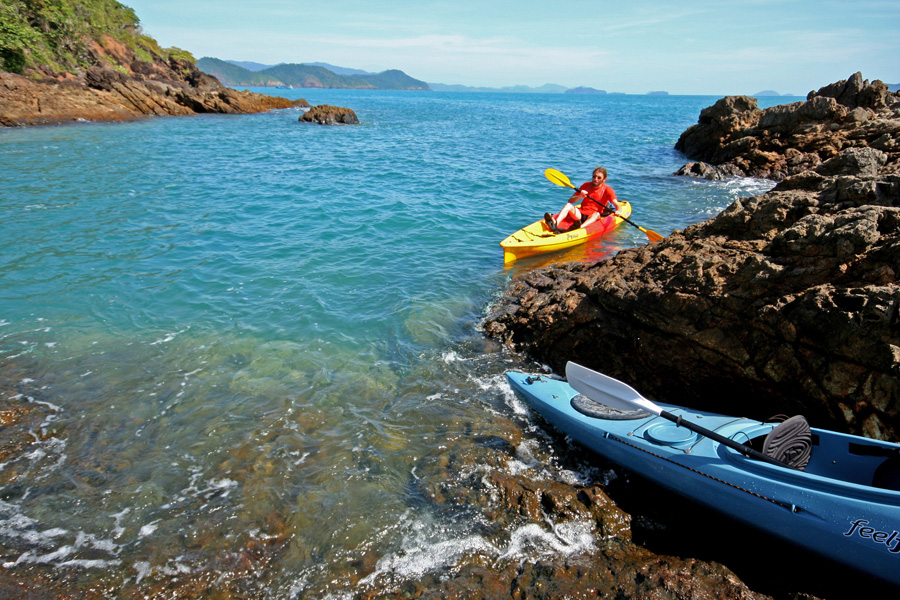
547	88
765	93
585	90
306	76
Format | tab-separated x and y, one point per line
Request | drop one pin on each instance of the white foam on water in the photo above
90	564
168	337
525	452
148	529
118	529
49	405
451	356
54	546
143	569
572	537
419	555
517	467
518	407
21	527
89	540
174	568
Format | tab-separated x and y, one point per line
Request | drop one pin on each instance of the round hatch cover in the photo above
670	434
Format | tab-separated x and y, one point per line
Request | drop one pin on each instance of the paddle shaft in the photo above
742	448
612	392
560	179
618	216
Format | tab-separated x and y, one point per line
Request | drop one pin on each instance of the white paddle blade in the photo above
606	390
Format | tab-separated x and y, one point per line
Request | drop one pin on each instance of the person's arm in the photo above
577	197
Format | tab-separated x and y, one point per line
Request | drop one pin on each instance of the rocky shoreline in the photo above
107	95
786	302
157	87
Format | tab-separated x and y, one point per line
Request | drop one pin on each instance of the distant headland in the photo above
307	76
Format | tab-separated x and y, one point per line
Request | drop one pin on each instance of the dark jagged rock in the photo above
325	114
784	303
737	138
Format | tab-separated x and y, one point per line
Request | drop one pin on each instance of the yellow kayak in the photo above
537	238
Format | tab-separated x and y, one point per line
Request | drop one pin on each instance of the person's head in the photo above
599	175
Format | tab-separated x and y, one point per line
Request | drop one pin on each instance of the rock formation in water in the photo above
325	114
786	302
735	138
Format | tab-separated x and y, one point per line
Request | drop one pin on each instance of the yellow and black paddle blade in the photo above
558	178
651	235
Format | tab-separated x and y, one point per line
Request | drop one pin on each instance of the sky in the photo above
718	47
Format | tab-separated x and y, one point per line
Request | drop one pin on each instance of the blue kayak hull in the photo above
830	508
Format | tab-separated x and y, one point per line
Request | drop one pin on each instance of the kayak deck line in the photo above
611	436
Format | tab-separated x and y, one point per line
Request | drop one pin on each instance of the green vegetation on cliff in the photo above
307	76
52	37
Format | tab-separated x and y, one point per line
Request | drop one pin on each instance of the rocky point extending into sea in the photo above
173	87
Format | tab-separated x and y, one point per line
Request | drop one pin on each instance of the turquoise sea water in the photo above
244	328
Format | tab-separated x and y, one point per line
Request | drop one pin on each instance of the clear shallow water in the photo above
243	328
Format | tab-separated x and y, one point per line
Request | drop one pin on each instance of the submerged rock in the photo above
593	553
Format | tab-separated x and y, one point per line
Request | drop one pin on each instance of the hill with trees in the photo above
307	76
65	60
49	38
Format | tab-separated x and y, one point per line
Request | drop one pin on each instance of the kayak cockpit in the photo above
839	457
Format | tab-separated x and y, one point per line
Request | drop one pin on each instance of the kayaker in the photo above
597	200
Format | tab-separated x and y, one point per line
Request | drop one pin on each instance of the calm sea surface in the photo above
237	328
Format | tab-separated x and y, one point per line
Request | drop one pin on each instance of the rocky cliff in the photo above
784	303
58	67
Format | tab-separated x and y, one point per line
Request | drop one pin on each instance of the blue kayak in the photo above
833	506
